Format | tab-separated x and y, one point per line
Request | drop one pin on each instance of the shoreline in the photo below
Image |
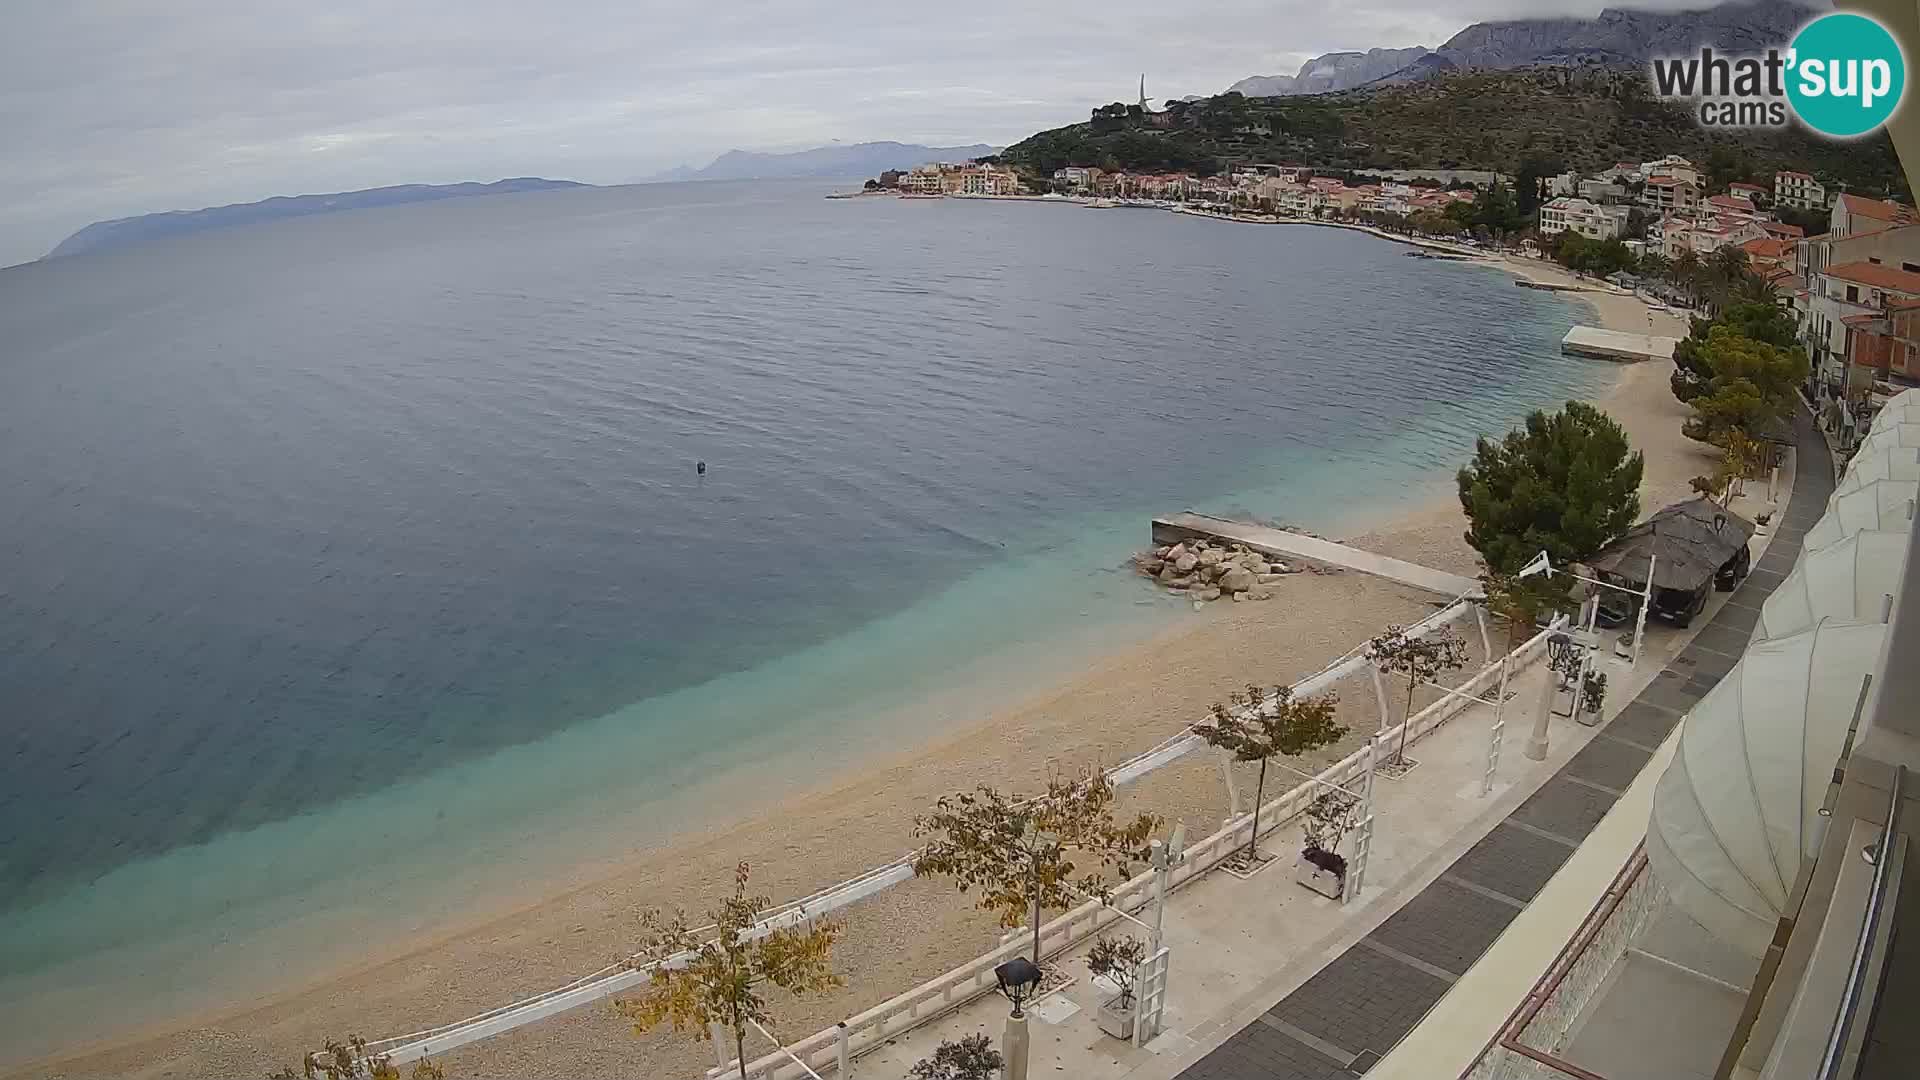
1100	709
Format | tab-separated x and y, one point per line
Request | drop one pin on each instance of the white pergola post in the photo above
1499	728
1380	696
1233	789
1363	834
1486	642
717	1032
1537	742
1640	621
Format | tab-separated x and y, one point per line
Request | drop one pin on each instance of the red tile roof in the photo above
1768	248
1781	228
1881	277
1875	208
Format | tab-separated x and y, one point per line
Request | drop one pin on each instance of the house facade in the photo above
1798	189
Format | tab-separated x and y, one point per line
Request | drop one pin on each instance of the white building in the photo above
1668	194
1672	165
1798	189
1588	219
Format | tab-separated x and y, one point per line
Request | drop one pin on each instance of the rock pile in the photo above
1204	570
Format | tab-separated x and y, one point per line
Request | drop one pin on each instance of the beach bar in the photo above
1591	341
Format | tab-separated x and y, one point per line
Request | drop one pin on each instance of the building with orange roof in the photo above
1838	297
1885	345
1857	214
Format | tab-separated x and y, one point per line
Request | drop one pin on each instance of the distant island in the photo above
854	159
125	232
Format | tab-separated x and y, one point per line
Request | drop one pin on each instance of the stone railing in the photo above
1528	1045
825	1050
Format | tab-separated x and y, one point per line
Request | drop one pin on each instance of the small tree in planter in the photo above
1420	659
972	1058
1259	727
722	980
1117	959
1326	822
1021	853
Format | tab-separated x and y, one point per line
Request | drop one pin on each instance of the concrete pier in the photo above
1282	544
1591	341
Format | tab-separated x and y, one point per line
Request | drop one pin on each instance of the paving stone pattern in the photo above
1363	1002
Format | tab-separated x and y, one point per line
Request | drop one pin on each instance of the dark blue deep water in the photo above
301	519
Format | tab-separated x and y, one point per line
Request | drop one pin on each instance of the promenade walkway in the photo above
1346	1016
1284	544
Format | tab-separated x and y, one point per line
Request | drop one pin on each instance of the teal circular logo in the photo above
1845	74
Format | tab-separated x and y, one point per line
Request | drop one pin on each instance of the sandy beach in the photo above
1111	709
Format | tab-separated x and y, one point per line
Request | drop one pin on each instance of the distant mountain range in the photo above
850	160
122	232
1614	38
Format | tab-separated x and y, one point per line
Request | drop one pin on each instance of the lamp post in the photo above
1018	979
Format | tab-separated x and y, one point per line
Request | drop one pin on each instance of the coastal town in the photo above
1846	265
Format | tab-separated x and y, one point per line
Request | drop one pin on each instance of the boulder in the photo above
1268	579
1212	573
1211	557
1173	553
1152	566
1185	562
1239	596
1238	580
1258	594
1167	574
1255	566
1185	581
1208	593
1161	552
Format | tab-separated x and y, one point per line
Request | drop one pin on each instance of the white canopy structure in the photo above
1882	504
1892	435
1848	581
1891	414
1738	807
1891	463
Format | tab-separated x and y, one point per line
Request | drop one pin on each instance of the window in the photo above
1853	294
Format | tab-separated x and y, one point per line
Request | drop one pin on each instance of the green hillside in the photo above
1585	119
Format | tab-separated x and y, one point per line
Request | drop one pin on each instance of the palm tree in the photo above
1685	273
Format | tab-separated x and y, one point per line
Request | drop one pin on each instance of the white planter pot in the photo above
1324	882
1116	1021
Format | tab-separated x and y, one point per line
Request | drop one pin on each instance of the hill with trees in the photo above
1583	117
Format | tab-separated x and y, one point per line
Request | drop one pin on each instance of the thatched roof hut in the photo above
1689	542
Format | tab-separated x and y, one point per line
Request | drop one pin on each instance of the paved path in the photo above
1283	544
1345	1018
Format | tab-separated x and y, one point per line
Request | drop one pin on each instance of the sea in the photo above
358	566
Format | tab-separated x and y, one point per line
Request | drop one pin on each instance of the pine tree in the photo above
1566	483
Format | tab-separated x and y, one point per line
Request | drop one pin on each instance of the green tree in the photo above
1261	726
1749	384
1021	854
1566	483
720	979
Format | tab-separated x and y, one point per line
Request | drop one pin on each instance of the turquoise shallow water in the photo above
375	540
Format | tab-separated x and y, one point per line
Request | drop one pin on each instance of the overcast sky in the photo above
116	107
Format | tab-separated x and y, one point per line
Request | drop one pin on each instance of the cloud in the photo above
118	107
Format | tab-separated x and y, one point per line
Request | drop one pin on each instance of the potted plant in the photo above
972	1058
1117	960
1321	867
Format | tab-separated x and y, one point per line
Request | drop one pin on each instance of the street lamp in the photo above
1019	980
